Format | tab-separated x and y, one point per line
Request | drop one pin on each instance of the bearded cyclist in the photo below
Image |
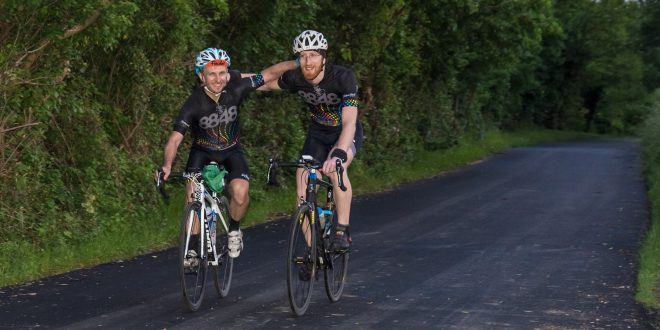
211	113
334	132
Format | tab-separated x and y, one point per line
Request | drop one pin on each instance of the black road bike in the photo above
312	228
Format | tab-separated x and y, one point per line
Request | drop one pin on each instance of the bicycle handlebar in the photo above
160	183
301	163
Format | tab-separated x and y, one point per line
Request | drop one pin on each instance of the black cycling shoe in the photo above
305	270
341	242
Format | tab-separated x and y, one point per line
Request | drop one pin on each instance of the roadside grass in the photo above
19	262
648	291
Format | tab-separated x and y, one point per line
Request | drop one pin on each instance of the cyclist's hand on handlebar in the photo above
160	183
162	174
329	165
166	172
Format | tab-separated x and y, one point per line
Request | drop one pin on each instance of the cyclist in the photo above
211	113
334	132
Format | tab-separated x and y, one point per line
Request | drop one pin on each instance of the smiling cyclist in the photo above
212	114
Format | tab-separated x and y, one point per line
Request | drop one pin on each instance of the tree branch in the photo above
44	43
19	127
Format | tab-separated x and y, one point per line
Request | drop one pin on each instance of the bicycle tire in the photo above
222	273
301	260
193	278
335	271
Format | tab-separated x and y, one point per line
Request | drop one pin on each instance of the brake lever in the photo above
160	185
340	175
271	180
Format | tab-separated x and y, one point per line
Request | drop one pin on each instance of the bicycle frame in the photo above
203	211
204	198
313	179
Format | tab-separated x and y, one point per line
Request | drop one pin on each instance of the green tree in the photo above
650	42
601	71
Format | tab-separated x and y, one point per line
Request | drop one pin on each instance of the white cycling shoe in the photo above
235	243
191	260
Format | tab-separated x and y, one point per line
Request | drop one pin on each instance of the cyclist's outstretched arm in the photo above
170	152
270	86
272	73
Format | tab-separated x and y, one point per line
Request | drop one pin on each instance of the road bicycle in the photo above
311	232
212	209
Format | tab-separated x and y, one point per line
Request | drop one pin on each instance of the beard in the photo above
313	73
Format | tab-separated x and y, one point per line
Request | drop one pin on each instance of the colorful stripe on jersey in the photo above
349	102
219	139
323	115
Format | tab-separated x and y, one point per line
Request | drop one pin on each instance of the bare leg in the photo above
343	198
301	185
240	199
189	199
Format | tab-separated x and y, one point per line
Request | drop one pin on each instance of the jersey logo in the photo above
222	115
320	97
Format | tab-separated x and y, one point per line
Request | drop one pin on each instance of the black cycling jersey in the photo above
326	100
337	89
215	125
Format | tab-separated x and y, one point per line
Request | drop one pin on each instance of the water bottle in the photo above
321	213
325	220
328	222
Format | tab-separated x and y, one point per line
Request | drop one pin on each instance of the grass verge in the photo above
648	282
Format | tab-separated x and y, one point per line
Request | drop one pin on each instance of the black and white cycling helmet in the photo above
309	40
208	55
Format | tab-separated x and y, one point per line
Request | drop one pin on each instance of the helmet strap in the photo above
214	96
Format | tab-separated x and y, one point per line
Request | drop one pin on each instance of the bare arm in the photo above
272	74
270	86
170	152
348	122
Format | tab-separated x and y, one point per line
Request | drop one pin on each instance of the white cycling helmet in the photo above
309	40
208	55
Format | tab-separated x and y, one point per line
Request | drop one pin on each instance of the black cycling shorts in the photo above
319	143
232	158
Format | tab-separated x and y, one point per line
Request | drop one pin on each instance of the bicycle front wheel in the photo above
193	263
301	259
223	271
335	272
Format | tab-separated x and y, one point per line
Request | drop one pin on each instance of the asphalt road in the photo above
543	237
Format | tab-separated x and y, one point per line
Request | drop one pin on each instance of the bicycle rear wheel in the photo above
192	270
223	271
301	259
